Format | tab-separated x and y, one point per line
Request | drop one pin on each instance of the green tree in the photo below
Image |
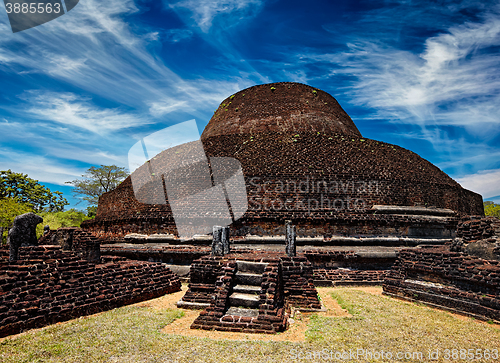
97	181
91	211
55	220
491	209
10	208
29	191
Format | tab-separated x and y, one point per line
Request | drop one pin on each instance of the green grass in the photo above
132	334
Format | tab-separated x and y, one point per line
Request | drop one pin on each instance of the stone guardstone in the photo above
23	233
217	247
225	240
291	238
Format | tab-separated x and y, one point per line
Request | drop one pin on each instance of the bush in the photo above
55	220
491	209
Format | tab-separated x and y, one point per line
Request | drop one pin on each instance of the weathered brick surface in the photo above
347	266
203	276
49	285
449	279
180	255
287	281
271	318
303	160
477	228
83	243
298	283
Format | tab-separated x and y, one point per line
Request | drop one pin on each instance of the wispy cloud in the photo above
484	182
177	35
203	12
93	48
38	167
73	110
449	83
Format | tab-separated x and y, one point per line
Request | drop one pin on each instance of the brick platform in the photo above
286	282
48	285
448	280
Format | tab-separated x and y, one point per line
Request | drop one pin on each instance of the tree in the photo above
28	191
10	208
97	181
91	211
491	209
55	220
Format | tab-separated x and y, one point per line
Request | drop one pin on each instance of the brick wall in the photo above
449	280
272	316
477	228
48	285
348	267
298	286
284	181
203	275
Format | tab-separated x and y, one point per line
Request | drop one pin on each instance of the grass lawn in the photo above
376	324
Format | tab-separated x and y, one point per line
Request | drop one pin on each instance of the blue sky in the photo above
81	90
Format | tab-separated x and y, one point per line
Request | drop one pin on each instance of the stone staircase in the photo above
245	298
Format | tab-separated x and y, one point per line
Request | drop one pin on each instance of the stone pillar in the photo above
217	248
291	237
225	240
1	235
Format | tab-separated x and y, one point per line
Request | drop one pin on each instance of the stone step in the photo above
243	278
249	313
246	300
251	267
247	289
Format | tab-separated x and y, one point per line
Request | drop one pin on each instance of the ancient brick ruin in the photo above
449	280
326	207
251	292
304	160
47	285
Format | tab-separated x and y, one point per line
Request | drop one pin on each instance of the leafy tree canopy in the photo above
491	209
30	192
55	220
97	181
91	211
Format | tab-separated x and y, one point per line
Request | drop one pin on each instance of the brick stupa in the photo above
304	160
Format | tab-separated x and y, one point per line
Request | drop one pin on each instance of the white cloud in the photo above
72	110
454	68
447	94
484	182
93	48
203	12
176	35
162	108
38	167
